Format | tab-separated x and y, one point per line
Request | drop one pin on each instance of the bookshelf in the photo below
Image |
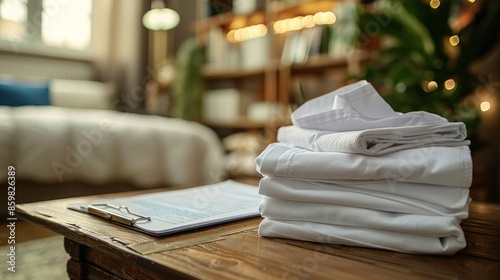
268	66
232	73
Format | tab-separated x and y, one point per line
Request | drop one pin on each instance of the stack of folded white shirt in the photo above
352	171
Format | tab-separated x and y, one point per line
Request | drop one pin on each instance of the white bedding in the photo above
53	144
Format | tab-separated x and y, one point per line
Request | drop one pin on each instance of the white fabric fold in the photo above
377	141
454	199
447	166
355	107
363	237
355	197
353	171
431	226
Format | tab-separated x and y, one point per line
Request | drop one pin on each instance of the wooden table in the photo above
101	250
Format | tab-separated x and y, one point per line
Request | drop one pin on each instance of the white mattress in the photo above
53	144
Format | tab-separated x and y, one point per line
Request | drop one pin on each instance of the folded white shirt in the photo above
363	237
376	141
447	166
356	107
361	198
453	199
432	226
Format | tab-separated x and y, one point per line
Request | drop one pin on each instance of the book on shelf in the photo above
337	40
220	53
344	31
300	45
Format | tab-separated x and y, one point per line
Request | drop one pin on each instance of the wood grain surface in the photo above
235	251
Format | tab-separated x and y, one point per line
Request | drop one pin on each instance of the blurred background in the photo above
239	67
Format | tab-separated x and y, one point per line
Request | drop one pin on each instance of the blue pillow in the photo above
14	93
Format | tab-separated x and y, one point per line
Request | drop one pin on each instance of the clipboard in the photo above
169	212
103	213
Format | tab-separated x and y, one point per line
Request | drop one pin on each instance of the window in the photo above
13	16
63	24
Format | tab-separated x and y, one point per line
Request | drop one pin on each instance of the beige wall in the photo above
121	53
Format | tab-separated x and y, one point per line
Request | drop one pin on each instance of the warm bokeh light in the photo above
294	24
432	85
485	106
308	21
454	40
324	18
301	22
247	33
472	1
449	84
280	26
230	36
434	4
318	18
329	18
429	86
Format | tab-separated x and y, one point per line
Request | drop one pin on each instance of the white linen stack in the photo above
352	171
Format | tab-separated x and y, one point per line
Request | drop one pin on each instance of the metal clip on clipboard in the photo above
116	217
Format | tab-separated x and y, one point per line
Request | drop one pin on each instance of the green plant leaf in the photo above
410	24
